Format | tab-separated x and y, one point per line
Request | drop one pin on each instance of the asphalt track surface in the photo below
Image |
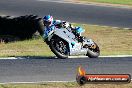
91	14
39	69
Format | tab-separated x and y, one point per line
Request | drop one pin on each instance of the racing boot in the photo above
89	44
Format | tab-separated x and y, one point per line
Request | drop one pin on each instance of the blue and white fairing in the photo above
75	47
69	37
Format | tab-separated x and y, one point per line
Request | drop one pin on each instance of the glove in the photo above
66	24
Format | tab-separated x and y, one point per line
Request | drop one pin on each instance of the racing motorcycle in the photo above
63	43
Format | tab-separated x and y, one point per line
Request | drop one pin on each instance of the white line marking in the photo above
38	82
101	56
115	27
14	58
117	56
8	58
127	28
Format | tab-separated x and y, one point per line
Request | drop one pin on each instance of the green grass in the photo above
33	47
111	42
123	2
65	85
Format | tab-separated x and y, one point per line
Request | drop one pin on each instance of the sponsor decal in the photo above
83	78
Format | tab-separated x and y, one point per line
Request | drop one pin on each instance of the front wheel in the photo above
93	51
59	47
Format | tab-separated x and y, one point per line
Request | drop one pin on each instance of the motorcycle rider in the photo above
50	24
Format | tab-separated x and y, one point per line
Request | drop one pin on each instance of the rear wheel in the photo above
59	47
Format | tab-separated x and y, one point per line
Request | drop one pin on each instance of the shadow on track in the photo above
36	57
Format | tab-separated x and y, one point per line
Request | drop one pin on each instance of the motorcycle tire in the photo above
93	53
53	45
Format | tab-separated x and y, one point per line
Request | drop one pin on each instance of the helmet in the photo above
47	20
